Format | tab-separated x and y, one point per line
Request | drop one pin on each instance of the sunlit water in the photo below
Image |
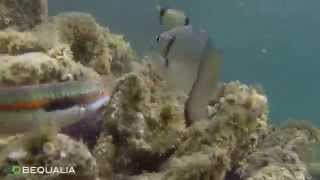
270	42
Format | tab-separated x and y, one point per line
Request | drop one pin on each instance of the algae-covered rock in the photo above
86	39
76	45
215	147
14	42
105	152
38	57
22	14
145	125
94	45
273	163
283	153
121	52
69	38
29	68
37	67
47	150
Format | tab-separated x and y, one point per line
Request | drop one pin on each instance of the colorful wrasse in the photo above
24	107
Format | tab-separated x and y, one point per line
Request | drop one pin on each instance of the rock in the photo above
15	43
215	147
37	67
86	39
94	45
145	125
22	14
282	153
48	150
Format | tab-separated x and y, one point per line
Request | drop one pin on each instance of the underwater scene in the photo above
159	90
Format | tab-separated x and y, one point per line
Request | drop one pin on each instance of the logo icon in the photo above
15	170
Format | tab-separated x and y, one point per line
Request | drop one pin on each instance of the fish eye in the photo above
158	38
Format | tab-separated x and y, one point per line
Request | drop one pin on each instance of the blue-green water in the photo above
271	42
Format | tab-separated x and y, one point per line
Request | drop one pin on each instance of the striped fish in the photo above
23	108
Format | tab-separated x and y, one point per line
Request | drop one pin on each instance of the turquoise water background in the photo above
270	42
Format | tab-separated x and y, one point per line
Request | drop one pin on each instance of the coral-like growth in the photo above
273	163
38	67
72	40
94	45
22	14
86	39
214	148
105	152
282	154
145	125
14	43
121	52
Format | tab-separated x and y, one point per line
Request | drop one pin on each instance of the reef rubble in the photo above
143	132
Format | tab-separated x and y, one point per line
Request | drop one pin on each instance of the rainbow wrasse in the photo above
24	107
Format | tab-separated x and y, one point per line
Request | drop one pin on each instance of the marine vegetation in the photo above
73	94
